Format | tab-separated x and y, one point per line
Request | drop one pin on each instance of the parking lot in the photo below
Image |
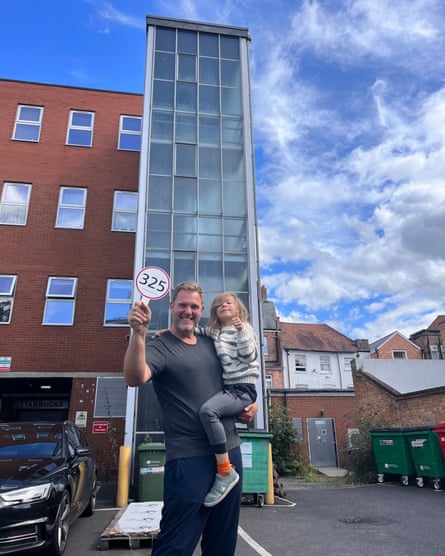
315	519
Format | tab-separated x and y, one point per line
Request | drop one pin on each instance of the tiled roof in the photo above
314	337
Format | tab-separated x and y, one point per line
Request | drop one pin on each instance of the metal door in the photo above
322	445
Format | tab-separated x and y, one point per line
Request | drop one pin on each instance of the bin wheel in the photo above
419	482
380	478
260	500
405	480
436	484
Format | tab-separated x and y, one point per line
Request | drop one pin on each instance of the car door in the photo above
79	469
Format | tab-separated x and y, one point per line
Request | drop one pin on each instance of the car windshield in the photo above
30	442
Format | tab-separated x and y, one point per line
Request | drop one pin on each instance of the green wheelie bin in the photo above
151	471
392	454
427	455
255	455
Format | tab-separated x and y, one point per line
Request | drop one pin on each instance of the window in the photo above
300	363
28	123
325	364
130	129
124	211
71	209
80	129
118	302
60	301
434	349
15	203
111	397
399	354
348	363
268	381
7	289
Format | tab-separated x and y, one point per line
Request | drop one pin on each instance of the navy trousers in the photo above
185	520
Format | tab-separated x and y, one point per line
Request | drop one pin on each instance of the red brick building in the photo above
69	163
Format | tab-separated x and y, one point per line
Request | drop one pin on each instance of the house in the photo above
432	339
395	346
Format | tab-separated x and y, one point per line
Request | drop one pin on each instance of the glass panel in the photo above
132	123
210	234
231	102
184	267
235	238
158	230
12	214
124	222
161	259
185	128
70	218
236	273
75	197
82	119
162	125
184	232
209	99
80	138
209	71
27	132
61	287
209	130
232	132
164	66
229	47
129	142
116	313
233	164
234	198
186	67
159	314
210	272
187	41
16	193
185	160
124	200
209	163
163	94
208	44
5	310
6	285
30	113
58	312
161	158
160	192
119	289
165	39
210	196
185	195
186	97
230	73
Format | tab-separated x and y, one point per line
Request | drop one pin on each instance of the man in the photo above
186	372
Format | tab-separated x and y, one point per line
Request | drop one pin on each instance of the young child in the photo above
237	350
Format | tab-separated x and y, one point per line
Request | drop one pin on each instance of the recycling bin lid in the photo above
151	446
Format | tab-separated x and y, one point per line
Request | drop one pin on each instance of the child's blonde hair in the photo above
218	301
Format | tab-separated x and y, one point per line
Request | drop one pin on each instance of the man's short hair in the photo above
187	286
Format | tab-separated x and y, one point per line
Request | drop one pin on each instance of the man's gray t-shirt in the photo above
184	377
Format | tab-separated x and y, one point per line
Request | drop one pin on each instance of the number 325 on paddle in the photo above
153	282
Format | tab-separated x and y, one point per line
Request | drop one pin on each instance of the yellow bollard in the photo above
123	479
270	498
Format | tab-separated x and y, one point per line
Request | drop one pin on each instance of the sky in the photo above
349	129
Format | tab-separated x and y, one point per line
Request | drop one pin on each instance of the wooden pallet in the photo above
118	535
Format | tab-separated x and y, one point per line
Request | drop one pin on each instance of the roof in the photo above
406	376
314	337
374	346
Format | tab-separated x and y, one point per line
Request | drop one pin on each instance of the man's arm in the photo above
136	370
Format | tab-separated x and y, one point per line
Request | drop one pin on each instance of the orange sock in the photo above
223	468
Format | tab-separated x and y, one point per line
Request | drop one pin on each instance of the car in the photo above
48	478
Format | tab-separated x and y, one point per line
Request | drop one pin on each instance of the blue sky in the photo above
349	125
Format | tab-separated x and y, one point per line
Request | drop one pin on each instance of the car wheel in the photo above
91	506
61	528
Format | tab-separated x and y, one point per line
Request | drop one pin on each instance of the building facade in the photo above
69	163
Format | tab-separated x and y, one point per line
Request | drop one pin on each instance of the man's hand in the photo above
139	317
248	414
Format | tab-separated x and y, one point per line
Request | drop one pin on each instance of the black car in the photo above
48	478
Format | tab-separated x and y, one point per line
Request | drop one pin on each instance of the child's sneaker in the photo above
221	488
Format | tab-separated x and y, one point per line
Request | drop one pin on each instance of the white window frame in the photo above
122	210
125	133
7	297
325	364
62	207
434	351
399	351
23	123
7	205
76	127
117	301
348	363
268	381
300	363
64	297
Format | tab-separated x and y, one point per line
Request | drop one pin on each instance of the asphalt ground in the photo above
314	519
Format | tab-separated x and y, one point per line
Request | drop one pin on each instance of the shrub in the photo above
285	441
